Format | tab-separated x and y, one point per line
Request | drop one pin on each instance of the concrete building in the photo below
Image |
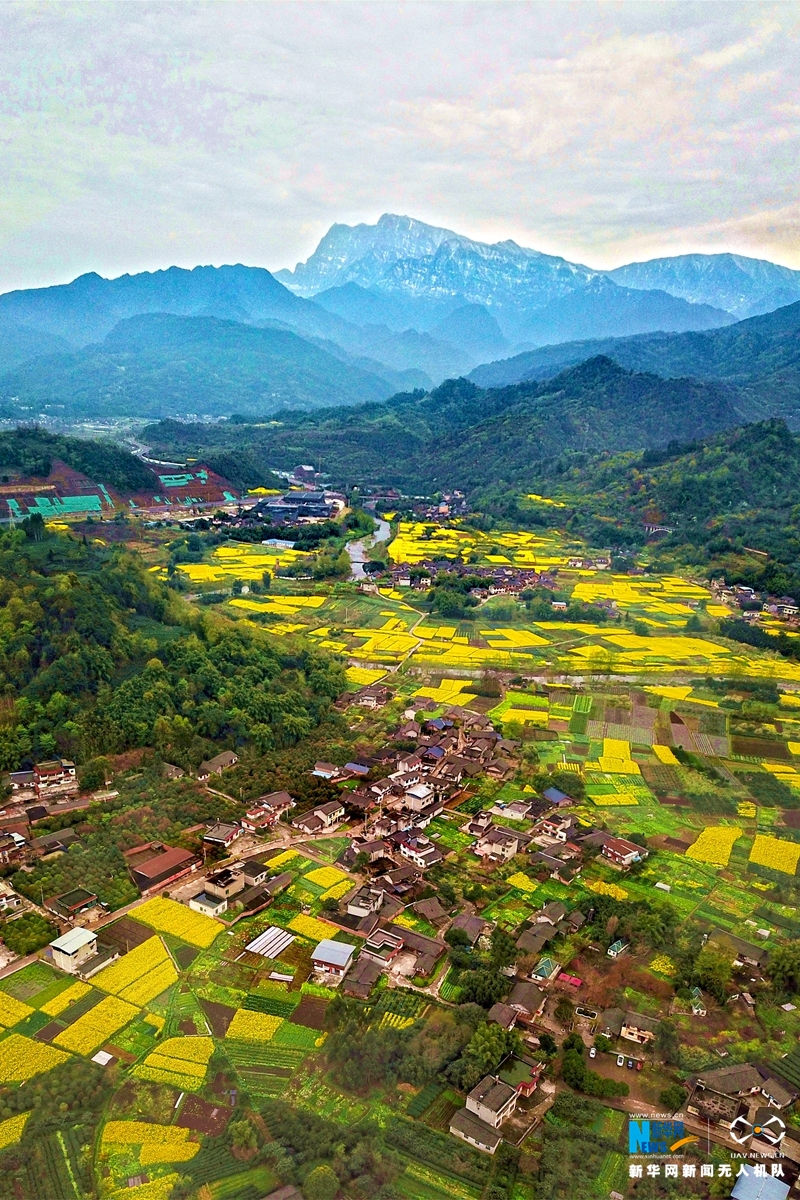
73	948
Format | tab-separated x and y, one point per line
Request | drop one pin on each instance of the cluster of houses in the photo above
495	580
56	777
754	605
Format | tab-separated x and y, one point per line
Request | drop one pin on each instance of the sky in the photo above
138	135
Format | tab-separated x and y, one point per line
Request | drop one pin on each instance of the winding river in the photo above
358	550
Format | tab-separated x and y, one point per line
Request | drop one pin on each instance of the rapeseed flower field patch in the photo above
181	1062
141	975
11	1129
96	1026
522	883
326	877
249	1026
167	916
63	1000
772	852
21	1058
12	1011
310	927
714	845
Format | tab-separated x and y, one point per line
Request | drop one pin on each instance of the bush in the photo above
321	1184
672	1097
28	933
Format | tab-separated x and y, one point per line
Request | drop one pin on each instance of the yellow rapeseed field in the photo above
21	1058
773	852
96	1026
167	916
249	1026
714	845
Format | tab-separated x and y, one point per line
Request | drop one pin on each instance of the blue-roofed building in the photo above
556	796
750	1186
332	958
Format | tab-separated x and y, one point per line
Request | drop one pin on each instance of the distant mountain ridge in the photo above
760	355
158	364
535	297
460	435
745	287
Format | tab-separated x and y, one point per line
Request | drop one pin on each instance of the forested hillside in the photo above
460	435
32	451
761	356
721	497
156	365
97	657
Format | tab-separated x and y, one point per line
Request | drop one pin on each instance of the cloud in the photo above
135	135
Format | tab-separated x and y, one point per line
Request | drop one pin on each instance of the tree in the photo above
321	1184
668	1042
574	1041
713	973
784	968
548	1043
242	1134
672	1097
458	938
564	1010
573	1069
602	1043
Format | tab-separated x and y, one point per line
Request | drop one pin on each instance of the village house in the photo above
362	977
208	905
216	765
266	811
498	845
636	1027
331	958
326	770
320	819
419	849
492	1101
618	948
55	774
374	696
73	948
383	946
225	883
471	925
622	852
163	869
722	1094
365	901
222	833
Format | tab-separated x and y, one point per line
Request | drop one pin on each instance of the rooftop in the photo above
338	954
73	940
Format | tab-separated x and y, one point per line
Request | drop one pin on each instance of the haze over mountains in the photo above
381	309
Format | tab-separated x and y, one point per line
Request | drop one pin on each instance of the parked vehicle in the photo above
630	1064
620	1060
593	1052
639	1065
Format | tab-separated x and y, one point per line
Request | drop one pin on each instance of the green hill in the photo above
31	452
156	365
460	435
761	356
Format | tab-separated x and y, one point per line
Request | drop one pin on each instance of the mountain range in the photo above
759	356
461	435
375	310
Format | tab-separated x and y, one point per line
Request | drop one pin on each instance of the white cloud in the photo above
134	135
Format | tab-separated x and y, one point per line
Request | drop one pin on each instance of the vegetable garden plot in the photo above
310	1012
